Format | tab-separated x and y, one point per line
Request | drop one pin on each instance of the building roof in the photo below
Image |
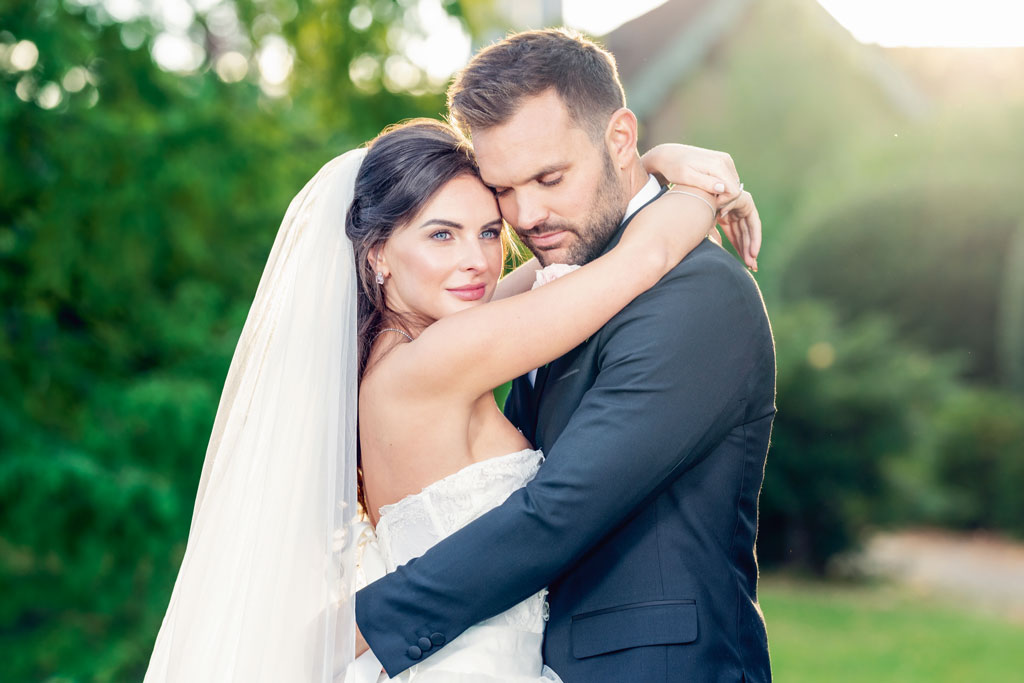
657	50
636	41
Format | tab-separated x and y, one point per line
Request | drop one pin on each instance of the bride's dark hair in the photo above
404	168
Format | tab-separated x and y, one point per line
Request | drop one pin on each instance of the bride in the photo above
393	306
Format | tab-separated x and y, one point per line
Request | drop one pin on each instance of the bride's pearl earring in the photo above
380	278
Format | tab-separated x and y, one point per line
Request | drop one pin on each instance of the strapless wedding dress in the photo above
505	648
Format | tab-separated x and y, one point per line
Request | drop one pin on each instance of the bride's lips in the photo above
547	239
469	292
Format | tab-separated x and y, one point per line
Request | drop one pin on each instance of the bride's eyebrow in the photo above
443	222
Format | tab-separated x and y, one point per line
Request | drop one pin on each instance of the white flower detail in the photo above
551	273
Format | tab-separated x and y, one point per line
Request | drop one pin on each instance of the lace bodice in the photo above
408	528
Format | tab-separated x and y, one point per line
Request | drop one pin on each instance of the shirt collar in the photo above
648	192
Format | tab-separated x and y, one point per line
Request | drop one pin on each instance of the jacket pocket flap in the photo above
662	622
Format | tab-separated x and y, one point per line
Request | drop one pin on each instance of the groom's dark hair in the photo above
490	90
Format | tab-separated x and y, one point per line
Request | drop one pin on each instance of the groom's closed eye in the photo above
549	176
503	191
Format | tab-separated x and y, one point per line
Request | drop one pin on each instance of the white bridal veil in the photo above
265	589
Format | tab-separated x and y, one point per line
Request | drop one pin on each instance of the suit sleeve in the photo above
674	369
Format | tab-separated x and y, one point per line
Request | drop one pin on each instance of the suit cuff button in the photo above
414	652
424	644
437	639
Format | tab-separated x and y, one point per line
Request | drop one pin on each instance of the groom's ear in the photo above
621	137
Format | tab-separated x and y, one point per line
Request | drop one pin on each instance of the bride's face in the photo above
448	257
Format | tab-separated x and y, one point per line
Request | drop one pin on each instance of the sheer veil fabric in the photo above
265	591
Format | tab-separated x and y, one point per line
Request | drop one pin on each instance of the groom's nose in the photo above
530	211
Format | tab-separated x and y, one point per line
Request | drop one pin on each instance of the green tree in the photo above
852	399
137	210
932	256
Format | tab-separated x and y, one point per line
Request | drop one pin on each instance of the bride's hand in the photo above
742	225
714	172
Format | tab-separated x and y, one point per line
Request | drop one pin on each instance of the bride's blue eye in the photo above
490	234
441	235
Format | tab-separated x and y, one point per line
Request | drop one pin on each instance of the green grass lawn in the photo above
828	633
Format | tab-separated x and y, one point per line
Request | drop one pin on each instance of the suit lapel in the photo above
538	389
541	380
545	387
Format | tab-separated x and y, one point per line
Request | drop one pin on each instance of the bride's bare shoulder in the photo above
390	371
397	363
380	366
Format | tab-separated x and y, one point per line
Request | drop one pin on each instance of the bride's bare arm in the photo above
474	350
714	172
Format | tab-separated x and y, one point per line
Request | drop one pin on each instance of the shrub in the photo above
933	257
978	456
851	399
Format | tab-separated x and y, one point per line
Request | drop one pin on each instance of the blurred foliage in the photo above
871	431
979	463
905	251
923	230
1011	318
851	398
135	218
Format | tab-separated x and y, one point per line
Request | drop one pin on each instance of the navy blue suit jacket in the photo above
642	519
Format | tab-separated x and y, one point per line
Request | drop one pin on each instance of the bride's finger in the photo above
748	239
722	221
735	236
754	232
739	241
710	183
743	238
748	228
728	223
729	202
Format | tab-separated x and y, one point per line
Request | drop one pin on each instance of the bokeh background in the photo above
150	148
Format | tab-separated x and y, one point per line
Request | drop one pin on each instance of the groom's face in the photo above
556	185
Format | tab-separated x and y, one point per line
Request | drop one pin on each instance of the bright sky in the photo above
920	23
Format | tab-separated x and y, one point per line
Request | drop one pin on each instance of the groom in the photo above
643	518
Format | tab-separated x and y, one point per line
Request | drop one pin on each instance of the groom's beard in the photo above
601	223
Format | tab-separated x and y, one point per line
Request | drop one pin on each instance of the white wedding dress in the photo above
505	648
266	585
